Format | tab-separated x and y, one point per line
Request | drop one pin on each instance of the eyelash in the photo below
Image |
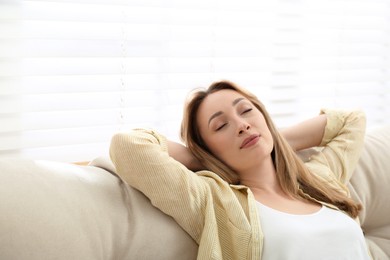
222	126
219	128
247	110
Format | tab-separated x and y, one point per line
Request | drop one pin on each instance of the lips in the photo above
251	140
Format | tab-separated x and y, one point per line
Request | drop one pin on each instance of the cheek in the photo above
219	145
215	145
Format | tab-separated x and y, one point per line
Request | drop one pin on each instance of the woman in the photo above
251	196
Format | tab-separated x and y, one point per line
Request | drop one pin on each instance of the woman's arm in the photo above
306	134
142	160
342	136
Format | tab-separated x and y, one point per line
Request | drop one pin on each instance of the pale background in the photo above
72	73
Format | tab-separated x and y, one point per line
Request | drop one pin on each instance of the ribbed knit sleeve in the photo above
342	145
142	160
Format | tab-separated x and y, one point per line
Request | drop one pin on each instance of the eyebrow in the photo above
235	102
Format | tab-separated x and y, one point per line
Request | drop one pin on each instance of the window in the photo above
72	73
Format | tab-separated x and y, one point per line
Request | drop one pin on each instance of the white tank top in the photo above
325	234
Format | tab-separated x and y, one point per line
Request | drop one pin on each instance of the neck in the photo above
261	177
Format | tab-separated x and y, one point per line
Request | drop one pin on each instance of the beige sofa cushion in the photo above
52	210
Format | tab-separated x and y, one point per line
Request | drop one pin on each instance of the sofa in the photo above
57	210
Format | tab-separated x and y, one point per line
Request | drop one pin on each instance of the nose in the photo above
244	126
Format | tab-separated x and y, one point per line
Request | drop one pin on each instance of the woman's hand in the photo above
183	155
306	134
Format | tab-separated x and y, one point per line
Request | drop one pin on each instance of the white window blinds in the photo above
72	73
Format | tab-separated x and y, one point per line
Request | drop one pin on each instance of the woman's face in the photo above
234	130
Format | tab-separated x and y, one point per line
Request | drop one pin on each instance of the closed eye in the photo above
220	127
247	110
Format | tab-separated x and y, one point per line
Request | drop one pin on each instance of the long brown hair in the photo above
294	177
